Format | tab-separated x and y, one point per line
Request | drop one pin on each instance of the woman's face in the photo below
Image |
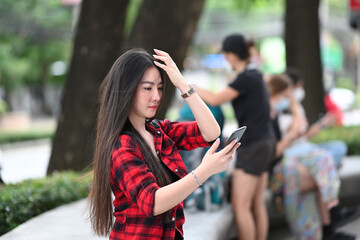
281	101
148	95
230	58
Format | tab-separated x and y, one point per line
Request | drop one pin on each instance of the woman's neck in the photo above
240	65
138	123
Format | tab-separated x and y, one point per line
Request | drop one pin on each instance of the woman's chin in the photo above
150	116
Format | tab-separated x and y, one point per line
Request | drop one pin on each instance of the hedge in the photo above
22	201
350	135
19	136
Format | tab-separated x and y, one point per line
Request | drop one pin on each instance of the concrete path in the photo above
69	222
22	161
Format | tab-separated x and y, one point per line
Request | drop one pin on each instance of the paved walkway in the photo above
69	222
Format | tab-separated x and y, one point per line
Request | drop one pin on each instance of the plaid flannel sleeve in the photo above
135	179
186	135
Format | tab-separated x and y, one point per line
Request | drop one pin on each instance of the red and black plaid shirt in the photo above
134	185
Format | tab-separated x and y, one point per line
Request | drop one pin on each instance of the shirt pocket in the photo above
121	216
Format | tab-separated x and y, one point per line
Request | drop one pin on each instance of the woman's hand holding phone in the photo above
237	134
216	162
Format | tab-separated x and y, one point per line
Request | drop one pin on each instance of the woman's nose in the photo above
157	95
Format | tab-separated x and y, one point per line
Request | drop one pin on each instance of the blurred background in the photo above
55	53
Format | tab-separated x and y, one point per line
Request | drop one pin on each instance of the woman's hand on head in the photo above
171	70
216	162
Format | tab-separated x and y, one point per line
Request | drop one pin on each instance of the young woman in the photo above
136	158
250	100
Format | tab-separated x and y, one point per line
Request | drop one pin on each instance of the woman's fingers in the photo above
163	66
233	149
228	148
237	145
161	53
162	58
166	59
214	146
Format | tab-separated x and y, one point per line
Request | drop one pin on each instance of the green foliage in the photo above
345	83
338	8
131	14
33	34
350	135
3	107
7	136
20	202
243	4
357	100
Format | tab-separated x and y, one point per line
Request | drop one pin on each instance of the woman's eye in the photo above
160	88
147	89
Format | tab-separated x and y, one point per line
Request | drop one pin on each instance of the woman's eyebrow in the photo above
144	82
149	82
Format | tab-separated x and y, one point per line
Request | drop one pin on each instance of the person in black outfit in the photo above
250	100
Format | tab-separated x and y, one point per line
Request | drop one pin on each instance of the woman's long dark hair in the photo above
117	93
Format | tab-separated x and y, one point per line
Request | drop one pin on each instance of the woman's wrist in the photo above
183	87
201	175
289	138
321	125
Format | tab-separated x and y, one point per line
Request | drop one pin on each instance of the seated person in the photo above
308	183
337	148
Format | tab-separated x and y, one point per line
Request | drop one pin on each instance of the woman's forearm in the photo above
213	162
283	144
208	96
216	99
206	121
171	195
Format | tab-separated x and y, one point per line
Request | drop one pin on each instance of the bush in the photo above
350	135
32	134
22	201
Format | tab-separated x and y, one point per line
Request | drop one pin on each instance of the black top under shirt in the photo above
252	107
173	178
171	174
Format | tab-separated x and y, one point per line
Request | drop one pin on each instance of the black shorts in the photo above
255	158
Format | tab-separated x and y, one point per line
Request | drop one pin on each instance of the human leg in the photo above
259	208
321	166
252	162
243	190
307	182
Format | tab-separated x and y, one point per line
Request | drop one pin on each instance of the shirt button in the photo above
176	170
158	133
157	152
173	219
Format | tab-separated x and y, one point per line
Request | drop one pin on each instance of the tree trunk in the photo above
97	45
302	39
39	91
169	26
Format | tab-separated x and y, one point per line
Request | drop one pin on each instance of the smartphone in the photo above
238	133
